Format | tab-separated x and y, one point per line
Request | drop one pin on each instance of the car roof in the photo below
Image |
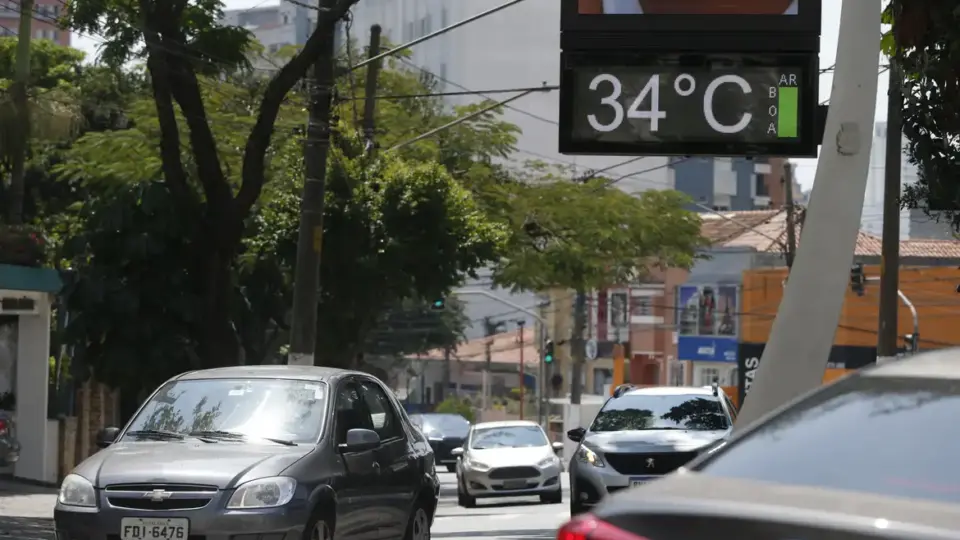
940	364
307	373
671	391
506	423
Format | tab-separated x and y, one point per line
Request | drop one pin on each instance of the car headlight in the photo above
264	493
475	465
77	491
587	455
548	462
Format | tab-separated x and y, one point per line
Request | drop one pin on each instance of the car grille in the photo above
648	464
509	473
442	448
173	496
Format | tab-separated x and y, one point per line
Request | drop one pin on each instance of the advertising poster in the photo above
727	314
688	308
707	311
688	7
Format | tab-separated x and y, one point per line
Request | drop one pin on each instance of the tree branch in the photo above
254	155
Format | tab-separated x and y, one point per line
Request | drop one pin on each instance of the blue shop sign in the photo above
707	349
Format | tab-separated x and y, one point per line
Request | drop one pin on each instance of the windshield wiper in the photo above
236	436
157	433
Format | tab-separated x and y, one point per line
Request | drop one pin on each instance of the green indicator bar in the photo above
787	111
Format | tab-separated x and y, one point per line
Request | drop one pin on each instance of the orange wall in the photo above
932	289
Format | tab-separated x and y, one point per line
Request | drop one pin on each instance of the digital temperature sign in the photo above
718	104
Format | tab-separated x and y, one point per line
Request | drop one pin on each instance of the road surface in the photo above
26	513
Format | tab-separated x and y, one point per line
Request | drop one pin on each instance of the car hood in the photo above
221	464
511	457
652	440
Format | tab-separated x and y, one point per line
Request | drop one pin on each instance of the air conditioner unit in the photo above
18	305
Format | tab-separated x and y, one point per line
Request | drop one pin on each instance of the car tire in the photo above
452	468
576	507
318	528
418	526
463	498
552	498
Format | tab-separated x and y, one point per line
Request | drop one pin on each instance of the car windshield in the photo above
507	437
449	425
283	409
646	412
868	434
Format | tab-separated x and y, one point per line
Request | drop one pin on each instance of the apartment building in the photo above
275	26
44	20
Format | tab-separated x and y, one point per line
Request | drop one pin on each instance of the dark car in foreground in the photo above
641	434
259	453
870	456
445	432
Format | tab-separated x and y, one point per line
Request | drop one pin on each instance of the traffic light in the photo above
548	352
857	279
439	304
912	342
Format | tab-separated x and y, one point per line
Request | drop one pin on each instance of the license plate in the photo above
515	484
154	528
634	482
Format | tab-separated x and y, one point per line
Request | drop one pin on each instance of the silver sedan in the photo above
508	459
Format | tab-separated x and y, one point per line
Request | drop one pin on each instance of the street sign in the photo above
590	349
751	104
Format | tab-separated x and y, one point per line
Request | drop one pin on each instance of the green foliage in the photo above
587	236
412	326
925	43
454	405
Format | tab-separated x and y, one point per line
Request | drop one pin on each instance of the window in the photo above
382	415
351	413
618	310
708	375
601	378
677	375
888	436
734	379
760	186
508	437
718	208
661	411
642	305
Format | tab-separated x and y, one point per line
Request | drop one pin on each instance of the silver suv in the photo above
643	433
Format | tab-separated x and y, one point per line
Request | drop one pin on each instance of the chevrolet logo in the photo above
650	463
157	495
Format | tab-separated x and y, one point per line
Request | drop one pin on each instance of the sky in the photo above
805	168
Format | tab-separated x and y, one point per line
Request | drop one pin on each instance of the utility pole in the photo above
576	343
490	329
306	286
520	323
446	375
370	90
890	243
22	106
791	251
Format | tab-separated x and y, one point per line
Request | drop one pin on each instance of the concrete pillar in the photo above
32	379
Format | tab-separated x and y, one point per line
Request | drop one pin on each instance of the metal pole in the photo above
303	327
791	250
522	381
887	333
799	346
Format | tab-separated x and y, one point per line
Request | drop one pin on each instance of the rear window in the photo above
892	437
674	411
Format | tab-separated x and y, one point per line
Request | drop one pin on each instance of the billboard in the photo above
799	16
707	310
707	349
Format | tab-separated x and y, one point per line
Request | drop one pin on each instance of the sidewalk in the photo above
26	511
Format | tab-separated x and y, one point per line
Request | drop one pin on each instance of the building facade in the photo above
44	24
275	27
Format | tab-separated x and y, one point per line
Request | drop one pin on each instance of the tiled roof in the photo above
765	231
505	349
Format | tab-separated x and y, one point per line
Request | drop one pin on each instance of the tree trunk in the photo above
21	103
219	344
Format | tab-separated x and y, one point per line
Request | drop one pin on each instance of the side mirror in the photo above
457	452
107	436
558	447
576	434
360	440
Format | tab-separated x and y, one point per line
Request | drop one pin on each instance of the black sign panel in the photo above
715	16
748	360
688	104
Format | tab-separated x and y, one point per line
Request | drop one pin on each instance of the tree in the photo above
586	236
411	327
182	43
923	44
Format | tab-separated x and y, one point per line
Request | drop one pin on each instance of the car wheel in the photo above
418	527
464	499
318	528
552	498
576	507
452	468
